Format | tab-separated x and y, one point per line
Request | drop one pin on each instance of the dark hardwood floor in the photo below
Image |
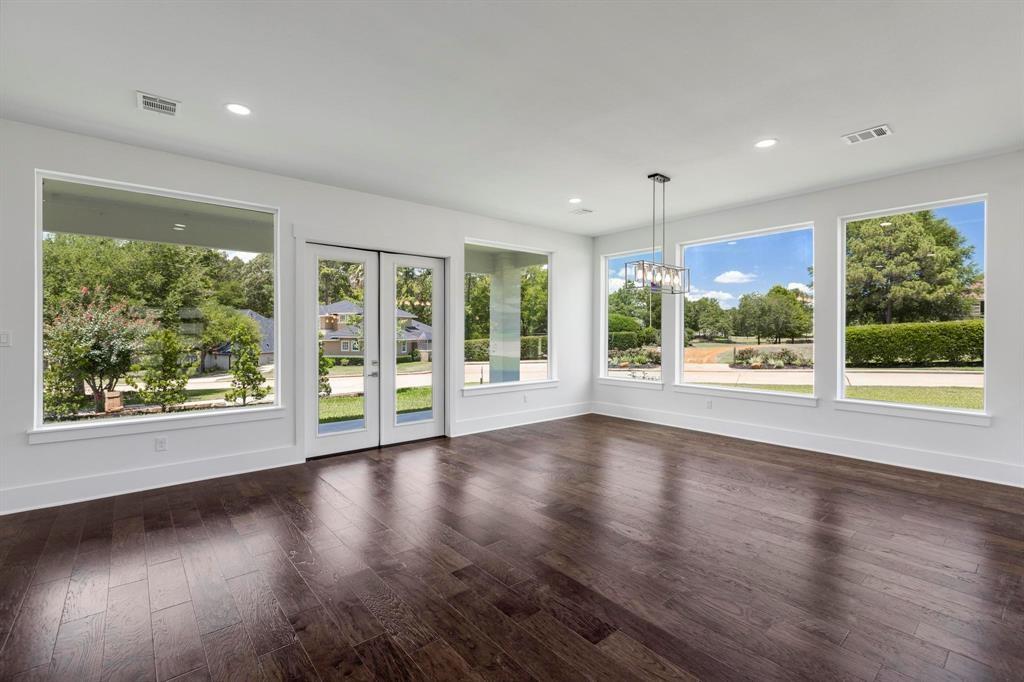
587	548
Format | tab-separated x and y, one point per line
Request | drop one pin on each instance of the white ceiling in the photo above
508	109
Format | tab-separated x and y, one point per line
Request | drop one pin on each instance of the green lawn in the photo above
958	397
337	408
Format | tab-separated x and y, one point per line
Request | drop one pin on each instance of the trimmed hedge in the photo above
533	347
915	343
623	340
530	348
476	350
617	322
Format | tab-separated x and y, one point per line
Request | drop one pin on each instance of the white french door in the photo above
376	347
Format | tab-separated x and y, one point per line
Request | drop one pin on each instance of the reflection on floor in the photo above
554	551
341	427
358	424
417	416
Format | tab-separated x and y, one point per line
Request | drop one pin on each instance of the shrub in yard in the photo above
758	359
247	382
165	370
477	350
688	335
623	340
617	322
915	343
533	347
650	336
404	358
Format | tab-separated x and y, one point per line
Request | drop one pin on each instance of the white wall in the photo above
42	474
993	452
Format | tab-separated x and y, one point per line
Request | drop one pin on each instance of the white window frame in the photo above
943	414
403	347
345	346
681	386
602	360
509	386
41	432
355	346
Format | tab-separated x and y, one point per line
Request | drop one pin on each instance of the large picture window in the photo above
153	304
914	331
506	315
748	318
632	323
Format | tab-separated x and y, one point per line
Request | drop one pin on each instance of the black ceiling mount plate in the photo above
659	177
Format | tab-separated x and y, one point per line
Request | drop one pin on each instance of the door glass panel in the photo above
342	380
413	344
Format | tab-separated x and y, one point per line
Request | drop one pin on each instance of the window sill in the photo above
69	432
507	387
632	383
935	414
777	397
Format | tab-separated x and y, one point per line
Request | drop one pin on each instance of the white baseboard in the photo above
911	458
69	490
66	491
466	427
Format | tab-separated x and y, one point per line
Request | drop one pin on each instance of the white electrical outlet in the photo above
160	444
707	404
6	339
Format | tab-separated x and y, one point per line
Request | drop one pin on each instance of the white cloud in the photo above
802	288
245	256
735	277
720	296
614	284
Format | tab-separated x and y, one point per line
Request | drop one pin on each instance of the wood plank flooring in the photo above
583	549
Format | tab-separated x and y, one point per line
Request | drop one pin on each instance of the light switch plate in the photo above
6	339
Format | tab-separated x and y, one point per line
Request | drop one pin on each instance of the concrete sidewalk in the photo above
719	373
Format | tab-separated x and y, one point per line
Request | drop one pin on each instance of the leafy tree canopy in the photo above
912	267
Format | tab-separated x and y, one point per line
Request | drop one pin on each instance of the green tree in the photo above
784	315
751	318
534	300
247	381
640	304
706	317
617	322
323	371
62	390
478	306
912	267
165	370
93	340
257	281
220	324
340	281
414	292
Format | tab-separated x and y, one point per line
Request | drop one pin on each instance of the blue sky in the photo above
728	269
970	220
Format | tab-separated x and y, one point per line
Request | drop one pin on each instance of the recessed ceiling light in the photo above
765	143
239	109
178	227
575	200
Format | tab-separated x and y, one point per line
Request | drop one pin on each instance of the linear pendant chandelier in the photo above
658	278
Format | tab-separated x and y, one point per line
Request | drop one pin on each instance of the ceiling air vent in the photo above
156	104
868	134
580	211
